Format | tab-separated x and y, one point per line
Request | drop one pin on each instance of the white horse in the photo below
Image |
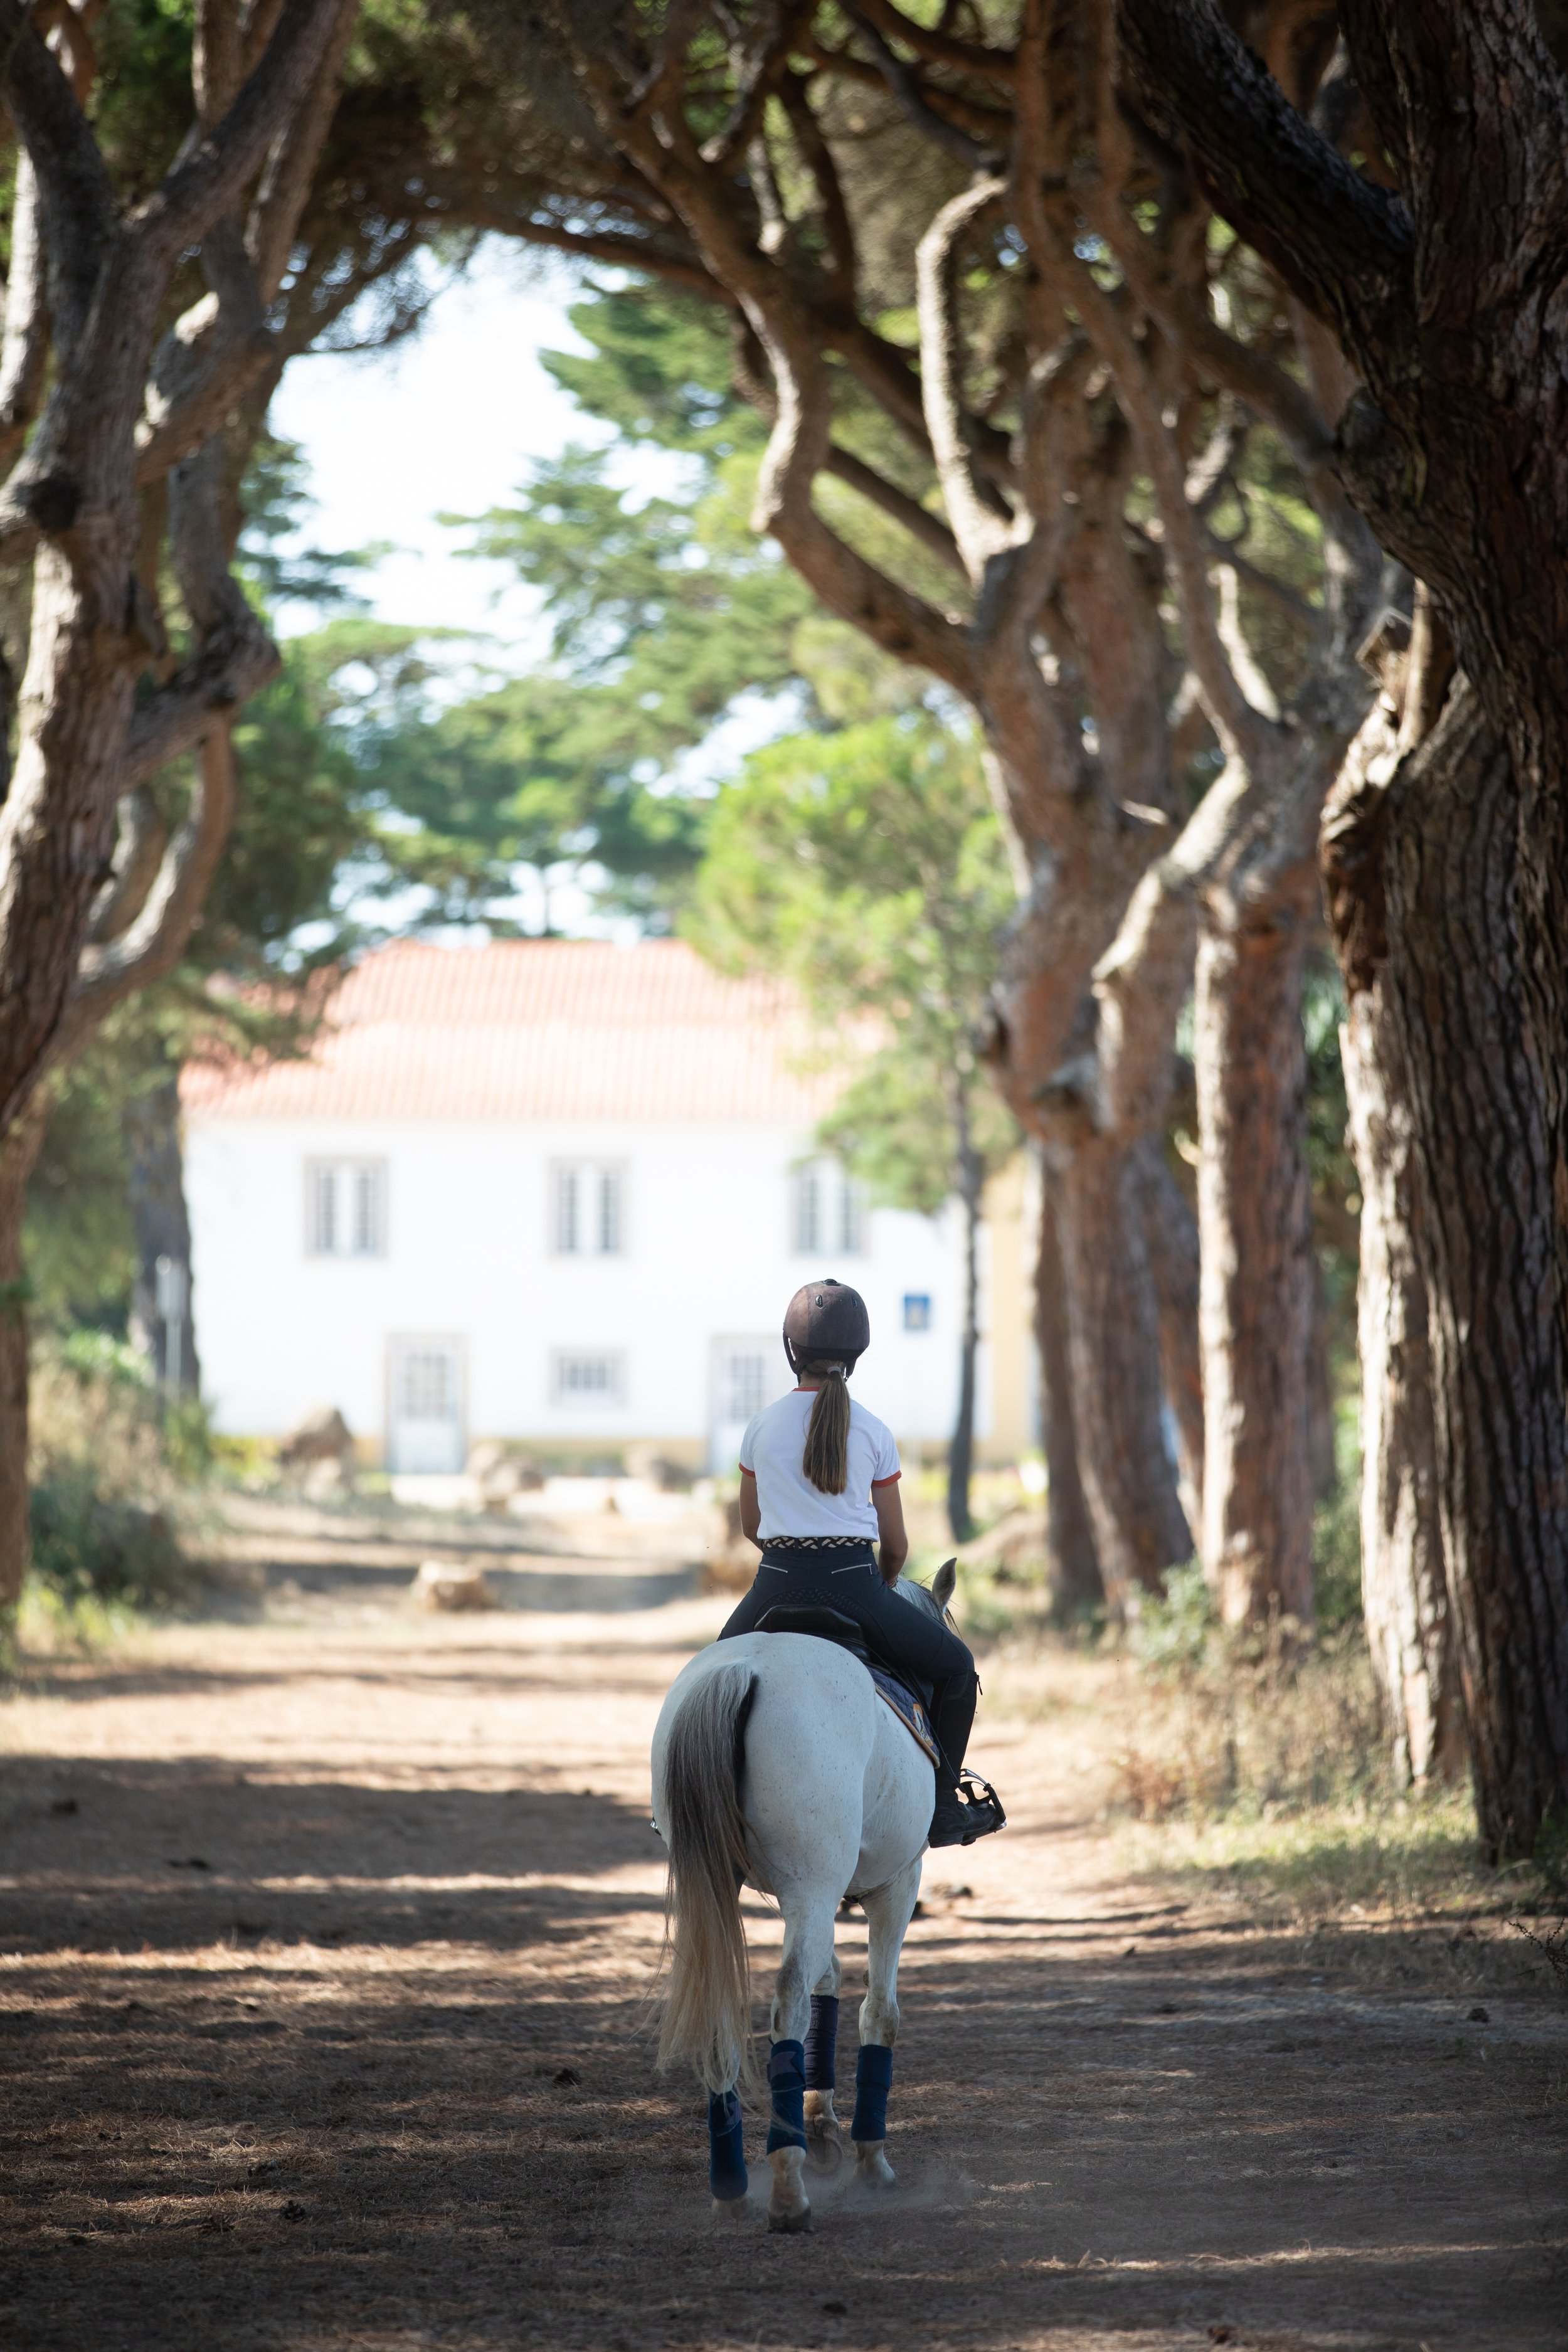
777	1764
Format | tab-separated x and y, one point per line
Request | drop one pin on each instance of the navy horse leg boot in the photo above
873	2080
823	2148
726	2148
788	2207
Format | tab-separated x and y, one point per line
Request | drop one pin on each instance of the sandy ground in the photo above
327	1940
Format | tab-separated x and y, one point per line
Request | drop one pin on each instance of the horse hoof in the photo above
824	2151
791	2224
872	2170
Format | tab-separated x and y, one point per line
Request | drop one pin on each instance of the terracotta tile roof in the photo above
536	1029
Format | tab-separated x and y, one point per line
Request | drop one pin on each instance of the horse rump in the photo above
707	2016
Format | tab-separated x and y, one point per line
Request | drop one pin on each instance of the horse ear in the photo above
942	1582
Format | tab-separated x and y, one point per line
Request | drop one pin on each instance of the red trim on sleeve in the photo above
891	1480
745	1473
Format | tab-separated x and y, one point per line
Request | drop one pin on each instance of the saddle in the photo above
908	1698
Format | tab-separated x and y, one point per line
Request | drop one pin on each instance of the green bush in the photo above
1174	1632
106	1473
91	1545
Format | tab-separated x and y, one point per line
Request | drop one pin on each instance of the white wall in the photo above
707	1254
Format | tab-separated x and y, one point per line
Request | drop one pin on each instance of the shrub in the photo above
86	1545
1247	1719
104	1486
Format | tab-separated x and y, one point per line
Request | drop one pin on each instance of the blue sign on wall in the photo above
917	1310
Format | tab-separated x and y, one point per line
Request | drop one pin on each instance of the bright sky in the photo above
448	421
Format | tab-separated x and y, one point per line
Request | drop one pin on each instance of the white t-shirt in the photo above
771	1453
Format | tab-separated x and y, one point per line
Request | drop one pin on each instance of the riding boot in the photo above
952	1719
971	1810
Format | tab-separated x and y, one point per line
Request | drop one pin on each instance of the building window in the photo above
828	1211
426	1385
587	1379
917	1310
589	1212
745	1384
345	1208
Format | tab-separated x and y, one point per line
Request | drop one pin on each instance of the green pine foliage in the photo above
868	865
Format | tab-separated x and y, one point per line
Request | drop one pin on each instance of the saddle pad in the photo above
908	1710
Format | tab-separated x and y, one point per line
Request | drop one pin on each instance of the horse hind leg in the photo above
887	1915
823	2138
807	1955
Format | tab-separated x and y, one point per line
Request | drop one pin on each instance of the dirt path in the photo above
324	1940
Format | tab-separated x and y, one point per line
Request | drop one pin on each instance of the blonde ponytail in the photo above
825	1460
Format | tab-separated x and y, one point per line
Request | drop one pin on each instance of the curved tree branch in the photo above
138	857
939	48
24	353
1344	245
983	528
918	521
152	944
210	180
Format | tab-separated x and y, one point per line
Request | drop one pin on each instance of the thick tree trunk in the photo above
1485	1236
961	1452
1320	1396
1256	1307
1074	1571
1403	1589
1113	1334
18	1151
1171	1234
162	1225
1404	1595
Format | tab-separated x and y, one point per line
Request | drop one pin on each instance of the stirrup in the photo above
974	1811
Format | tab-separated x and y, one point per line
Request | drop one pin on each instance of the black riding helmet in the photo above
826	1318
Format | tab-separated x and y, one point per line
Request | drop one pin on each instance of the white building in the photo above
553	1190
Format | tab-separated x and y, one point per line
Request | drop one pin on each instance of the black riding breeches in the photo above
899	1633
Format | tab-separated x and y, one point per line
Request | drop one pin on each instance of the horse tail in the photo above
708	1999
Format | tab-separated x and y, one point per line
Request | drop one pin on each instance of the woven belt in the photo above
816	1543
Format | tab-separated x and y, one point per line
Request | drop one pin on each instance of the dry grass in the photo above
1250	1777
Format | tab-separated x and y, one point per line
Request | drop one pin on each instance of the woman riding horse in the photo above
819	1480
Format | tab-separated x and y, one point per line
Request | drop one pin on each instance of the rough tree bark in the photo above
162	1226
1171	1237
961	1452
1071	1563
1255	1310
19	1152
1485	1236
1134	1508
1404	1595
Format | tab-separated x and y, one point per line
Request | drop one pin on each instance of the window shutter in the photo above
367	1222
806	1191
323	1210
850	1217
610	1212
566	1211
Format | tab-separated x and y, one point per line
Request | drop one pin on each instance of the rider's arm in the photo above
751	1509
894	1548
